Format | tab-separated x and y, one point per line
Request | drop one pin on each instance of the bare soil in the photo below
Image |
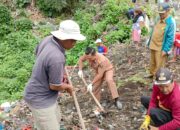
131	65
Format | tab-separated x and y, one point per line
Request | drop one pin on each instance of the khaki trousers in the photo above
108	77
47	118
157	61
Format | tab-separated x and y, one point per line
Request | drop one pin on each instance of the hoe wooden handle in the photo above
76	102
95	99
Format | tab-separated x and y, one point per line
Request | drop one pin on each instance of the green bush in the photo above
5	29
5	21
16	61
110	14
22	3
113	9
23	24
5	15
51	7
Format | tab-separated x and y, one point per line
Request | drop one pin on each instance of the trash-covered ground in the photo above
131	65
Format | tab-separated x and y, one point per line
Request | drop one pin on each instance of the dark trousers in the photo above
158	115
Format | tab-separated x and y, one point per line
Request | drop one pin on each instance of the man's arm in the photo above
80	62
62	87
169	38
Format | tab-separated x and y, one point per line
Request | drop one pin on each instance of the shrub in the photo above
22	3
51	7
5	21
110	14
5	15
5	29
16	61
23	24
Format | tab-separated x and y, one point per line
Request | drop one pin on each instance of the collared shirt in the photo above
48	70
100	62
157	36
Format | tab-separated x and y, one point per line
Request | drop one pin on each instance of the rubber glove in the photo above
89	88
146	123
80	73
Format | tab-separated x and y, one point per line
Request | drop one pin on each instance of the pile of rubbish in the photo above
15	115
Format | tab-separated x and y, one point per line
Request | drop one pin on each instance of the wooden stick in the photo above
95	99
73	69
76	102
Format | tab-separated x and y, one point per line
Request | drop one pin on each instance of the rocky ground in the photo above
131	65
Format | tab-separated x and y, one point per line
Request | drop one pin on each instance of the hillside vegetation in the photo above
19	35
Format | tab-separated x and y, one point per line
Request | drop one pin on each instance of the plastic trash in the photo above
6	106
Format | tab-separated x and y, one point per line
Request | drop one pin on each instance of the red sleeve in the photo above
175	123
105	49
153	102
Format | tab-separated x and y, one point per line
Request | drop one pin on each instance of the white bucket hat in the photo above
68	29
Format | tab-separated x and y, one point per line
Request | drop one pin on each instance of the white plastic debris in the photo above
6	106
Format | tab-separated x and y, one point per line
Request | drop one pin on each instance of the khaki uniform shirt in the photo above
158	35
100	62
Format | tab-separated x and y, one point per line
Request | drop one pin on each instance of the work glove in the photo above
146	123
80	73
89	88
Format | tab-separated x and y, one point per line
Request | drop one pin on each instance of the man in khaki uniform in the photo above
104	71
161	39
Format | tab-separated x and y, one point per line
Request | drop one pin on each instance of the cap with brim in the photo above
161	12
163	76
162	82
65	36
163	7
